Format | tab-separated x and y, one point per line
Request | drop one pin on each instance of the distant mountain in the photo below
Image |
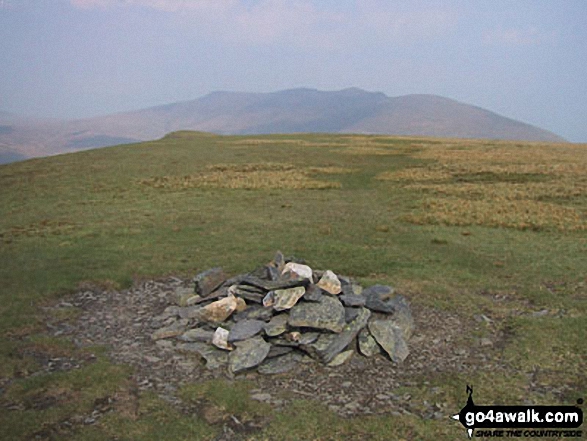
296	110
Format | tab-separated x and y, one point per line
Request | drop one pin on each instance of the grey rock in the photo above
391	339
277	351
341	358
245	329
197	334
215	358
307	338
273	273
327	314
278	261
378	298
313	294
173	330
350	314
182	294
254	312
348	334
316	349
367	344
277	325
207	281
402	316
189	312
352	300
248	354
270	285
280	365
287	298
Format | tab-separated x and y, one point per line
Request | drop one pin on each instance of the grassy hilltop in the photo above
488	229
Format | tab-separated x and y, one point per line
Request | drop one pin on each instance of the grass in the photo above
452	224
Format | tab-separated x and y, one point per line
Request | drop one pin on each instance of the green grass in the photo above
87	217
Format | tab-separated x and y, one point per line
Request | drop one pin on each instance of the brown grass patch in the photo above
246	176
502	184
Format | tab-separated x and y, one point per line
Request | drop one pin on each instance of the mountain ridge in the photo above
307	110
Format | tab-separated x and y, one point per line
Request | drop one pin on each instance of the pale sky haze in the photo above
524	59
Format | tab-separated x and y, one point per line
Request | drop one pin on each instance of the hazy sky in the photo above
525	59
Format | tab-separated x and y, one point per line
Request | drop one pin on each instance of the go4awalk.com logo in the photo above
520	421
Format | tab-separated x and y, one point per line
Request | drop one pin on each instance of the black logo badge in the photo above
514	418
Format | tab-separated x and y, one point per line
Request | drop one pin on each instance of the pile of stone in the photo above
281	314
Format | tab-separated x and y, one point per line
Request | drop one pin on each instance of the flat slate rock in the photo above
287	298
367	344
197	335
348	334
280	365
207	281
173	330
328	314
248	354
254	312
270	285
352	300
245	329
402	316
391	339
378	298
277	325
313	293
215	358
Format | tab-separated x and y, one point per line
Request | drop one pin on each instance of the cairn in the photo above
282	313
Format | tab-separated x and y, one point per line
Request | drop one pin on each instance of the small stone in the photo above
341	358
173	330
219	310
330	283
277	325
308	337
287	298
327	314
261	397
220	339
207	281
278	261
297	271
485	342
248	354
197	334
245	329
269	299
367	344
